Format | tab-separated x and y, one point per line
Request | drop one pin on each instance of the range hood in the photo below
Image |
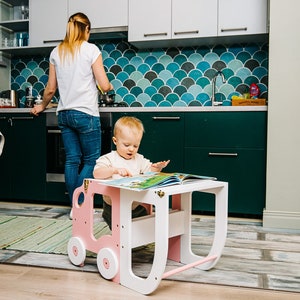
97	34
108	33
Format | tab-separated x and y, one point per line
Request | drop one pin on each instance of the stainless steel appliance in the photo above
55	147
9	98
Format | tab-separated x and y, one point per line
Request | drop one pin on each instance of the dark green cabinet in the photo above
226	129
228	145
23	162
163	138
56	193
5	176
244	172
232	147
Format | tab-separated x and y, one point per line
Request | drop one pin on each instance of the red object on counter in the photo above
254	90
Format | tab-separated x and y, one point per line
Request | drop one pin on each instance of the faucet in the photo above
213	102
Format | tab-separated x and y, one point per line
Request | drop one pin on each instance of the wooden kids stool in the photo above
168	228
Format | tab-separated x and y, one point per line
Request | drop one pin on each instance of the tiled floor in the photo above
253	256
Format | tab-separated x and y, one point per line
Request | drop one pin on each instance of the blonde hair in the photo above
77	27
133	123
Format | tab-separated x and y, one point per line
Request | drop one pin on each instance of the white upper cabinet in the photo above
188	21
239	17
48	19
149	20
171	19
47	22
102	13
194	18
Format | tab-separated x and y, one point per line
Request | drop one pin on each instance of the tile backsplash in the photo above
164	77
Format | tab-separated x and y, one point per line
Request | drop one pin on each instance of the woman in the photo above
75	68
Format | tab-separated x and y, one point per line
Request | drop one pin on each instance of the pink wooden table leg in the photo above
107	246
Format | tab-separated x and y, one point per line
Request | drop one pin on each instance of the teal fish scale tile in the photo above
163	77
150	60
227	57
179	90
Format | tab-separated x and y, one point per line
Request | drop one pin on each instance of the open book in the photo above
154	179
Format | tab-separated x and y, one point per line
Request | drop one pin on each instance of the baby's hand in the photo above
123	172
158	166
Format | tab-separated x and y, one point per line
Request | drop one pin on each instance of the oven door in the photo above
55	155
55	146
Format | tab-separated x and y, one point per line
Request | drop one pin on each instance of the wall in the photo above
4	72
283	160
164	77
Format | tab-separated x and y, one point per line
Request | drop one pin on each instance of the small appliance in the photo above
9	98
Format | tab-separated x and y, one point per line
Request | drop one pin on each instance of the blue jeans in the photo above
81	135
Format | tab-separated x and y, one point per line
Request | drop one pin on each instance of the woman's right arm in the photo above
48	92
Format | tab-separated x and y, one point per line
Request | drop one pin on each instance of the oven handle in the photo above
54	131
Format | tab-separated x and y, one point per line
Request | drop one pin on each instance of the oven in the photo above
55	149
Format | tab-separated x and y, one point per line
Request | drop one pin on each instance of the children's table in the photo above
168	225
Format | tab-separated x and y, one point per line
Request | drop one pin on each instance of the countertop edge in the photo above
156	109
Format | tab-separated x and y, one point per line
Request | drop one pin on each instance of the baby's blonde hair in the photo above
131	122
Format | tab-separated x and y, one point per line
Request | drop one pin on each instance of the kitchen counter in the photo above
156	109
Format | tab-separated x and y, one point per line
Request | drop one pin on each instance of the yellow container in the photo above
245	102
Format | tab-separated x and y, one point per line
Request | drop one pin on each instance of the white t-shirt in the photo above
76	82
137	165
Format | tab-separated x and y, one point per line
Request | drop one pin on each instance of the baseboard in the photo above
280	219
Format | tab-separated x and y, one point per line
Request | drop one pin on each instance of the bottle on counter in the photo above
254	91
38	100
29	98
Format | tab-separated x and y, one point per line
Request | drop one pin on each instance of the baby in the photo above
125	161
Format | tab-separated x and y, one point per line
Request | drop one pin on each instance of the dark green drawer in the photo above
226	129
244	172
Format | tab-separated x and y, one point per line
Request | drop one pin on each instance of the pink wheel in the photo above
107	263
76	251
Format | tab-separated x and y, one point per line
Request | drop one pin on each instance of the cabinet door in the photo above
29	164
244	171
113	13
238	17
194	18
232	147
163	137
25	151
5	166
149	20
47	22
226	129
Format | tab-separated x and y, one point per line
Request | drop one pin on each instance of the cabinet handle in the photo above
166	118
52	41
10	120
155	34
234	29
186	32
222	154
22	118
2	118
54	131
